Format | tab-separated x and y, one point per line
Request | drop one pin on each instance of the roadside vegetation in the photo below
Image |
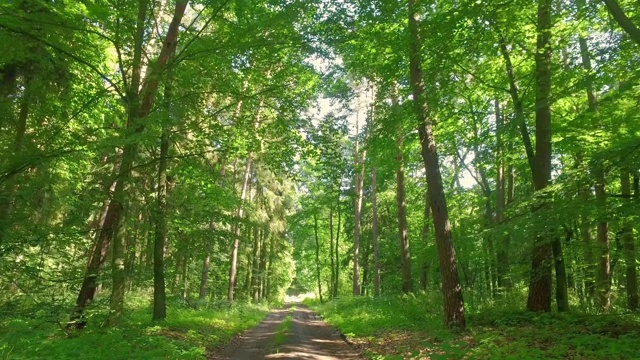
190	331
411	327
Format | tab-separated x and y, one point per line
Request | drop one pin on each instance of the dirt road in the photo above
308	338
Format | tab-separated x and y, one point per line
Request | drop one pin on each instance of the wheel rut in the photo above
309	338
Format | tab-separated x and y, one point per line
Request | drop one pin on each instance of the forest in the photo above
443	179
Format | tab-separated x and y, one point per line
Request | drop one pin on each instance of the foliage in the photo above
408	327
189	333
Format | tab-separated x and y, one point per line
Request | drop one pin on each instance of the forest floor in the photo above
190	332
411	327
294	332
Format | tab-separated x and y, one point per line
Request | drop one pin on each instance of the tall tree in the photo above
451	288
539	298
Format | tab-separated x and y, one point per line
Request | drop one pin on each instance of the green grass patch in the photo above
283	330
186	334
411	327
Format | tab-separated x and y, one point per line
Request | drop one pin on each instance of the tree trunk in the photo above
539	298
517	105
236	234
10	185
403	234
562	296
629	248
336	287
332	260
374	231
602	238
452	292
255	266
426	263
625	23
137	111
366	253
315	232
357	208
159	295
185	271
204	278
268	265
89	284
502	256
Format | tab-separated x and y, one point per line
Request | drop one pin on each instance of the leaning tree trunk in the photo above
621	18
451	288
137	111
539	298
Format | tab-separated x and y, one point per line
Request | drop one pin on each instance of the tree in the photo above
451	289
540	286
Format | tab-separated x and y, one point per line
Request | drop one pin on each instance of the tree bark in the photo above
265	268
602	237
502	256
236	234
403	233
336	287
315	232
137	111
452	292
159	295
562	296
255	266
585	191
631	275
204	278
539	298
332	260
357	209
374	231
89	283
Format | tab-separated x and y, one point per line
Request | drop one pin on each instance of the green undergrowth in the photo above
284	329
189	332
411	327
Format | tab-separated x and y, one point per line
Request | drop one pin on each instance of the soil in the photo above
309	338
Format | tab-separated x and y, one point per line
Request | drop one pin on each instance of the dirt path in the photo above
309	338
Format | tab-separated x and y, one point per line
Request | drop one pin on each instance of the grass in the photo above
186	334
284	328
410	327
